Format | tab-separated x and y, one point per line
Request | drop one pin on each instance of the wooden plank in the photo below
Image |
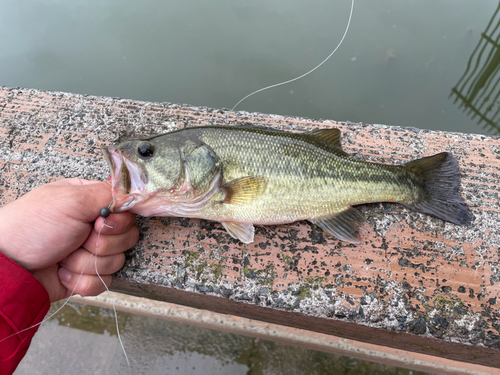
411	273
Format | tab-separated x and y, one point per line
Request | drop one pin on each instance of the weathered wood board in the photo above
415	283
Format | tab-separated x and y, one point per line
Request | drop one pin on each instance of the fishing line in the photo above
307	73
105	214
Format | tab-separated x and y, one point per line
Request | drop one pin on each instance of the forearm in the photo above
23	302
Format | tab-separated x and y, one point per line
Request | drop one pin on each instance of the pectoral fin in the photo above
344	225
244	190
240	231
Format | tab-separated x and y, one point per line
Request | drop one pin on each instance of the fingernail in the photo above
64	275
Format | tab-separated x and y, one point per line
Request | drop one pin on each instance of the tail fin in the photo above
438	177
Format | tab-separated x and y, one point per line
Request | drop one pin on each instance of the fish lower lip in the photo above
129	203
122	202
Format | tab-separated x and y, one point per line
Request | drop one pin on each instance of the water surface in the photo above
82	340
397	66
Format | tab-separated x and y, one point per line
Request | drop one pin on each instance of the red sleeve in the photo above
23	303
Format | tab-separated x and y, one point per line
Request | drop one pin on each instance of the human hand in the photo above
50	232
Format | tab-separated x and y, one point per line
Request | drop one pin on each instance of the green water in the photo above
82	340
398	64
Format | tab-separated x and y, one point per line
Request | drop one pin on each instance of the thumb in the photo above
90	196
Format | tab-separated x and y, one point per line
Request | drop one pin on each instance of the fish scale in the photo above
293	167
245	175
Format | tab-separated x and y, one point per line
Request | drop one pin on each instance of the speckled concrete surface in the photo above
415	283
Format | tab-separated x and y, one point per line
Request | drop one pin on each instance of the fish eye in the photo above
145	150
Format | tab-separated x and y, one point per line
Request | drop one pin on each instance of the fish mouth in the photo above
125	179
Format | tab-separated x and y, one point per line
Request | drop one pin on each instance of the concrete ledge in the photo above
415	283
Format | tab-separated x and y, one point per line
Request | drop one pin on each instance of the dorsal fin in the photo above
330	136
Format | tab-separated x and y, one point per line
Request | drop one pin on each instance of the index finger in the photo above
89	196
115	223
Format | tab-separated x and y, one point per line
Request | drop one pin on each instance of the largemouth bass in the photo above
241	176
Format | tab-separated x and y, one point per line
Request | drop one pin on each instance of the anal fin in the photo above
344	225
241	231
